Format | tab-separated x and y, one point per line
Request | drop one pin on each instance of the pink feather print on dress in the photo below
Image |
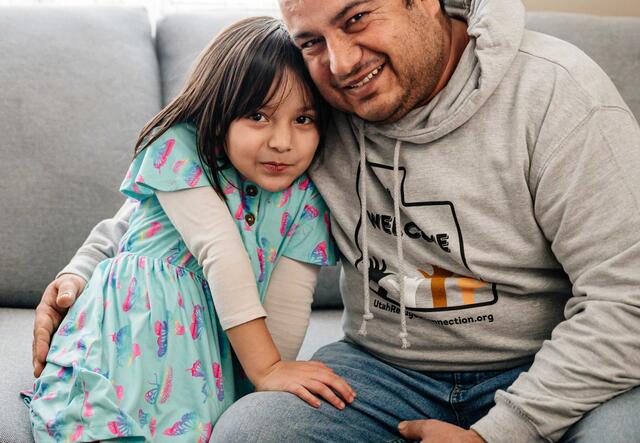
217	374
73	324
135	352
153	230
320	253
182	426
286	195
285	223
119	392
161	156
139	179
180	329
304	184
77	434
206	431
270	252
192	174
87	409
177	166
197	321
167	385
261	261
229	189
161	329
309	213
132	295
65	373
180	300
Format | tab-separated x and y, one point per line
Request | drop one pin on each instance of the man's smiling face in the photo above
378	59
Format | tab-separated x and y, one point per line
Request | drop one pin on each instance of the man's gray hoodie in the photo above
518	200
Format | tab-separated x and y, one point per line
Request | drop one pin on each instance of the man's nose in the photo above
344	56
280	139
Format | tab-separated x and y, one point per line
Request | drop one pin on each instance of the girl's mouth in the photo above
275	167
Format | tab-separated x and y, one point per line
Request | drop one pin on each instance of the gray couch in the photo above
76	85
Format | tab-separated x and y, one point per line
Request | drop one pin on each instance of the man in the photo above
496	174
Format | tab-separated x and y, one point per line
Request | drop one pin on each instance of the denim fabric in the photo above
387	394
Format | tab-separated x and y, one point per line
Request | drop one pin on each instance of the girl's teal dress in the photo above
141	355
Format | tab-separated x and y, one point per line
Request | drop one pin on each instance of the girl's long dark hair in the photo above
233	78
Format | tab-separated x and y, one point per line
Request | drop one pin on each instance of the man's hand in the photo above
436	431
56	300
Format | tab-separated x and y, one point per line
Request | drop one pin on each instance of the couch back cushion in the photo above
77	86
612	42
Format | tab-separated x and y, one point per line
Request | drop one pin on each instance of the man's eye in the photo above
257	117
308	44
356	18
304	120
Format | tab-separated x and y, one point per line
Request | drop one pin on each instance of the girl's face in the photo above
276	144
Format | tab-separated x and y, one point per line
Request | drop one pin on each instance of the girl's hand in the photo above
305	378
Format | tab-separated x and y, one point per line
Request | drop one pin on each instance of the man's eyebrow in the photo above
334	21
344	11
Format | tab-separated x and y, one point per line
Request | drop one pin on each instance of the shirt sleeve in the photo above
310	229
207	228
587	202
170	163
288	304
101	244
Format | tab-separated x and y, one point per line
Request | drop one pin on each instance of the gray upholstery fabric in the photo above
16	326
613	42
77	86
181	37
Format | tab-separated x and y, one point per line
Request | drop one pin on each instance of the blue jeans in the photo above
388	394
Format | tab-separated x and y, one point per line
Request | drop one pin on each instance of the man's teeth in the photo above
368	78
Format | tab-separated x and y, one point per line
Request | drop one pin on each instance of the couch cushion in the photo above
16	326
612	42
178	50
78	84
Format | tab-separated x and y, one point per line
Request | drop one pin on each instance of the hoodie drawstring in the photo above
400	252
362	186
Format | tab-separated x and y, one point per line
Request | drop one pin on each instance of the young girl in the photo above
142	354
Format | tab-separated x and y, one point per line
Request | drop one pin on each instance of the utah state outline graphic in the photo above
428	288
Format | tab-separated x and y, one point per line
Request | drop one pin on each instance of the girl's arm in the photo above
288	304
206	226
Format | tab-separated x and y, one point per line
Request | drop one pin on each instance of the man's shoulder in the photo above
550	60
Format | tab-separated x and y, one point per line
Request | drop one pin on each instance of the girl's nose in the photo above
280	139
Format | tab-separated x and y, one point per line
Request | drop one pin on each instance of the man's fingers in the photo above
67	293
413	429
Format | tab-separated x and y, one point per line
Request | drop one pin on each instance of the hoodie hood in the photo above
495	28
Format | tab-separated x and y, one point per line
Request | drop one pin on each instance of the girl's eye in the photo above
304	120
257	117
